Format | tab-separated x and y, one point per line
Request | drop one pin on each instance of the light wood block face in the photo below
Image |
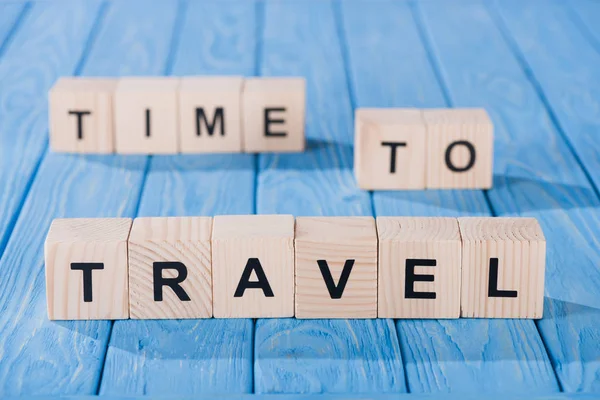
170	268
389	149
503	263
81	115
273	114
146	115
336	267
253	266
86	269
459	149
210	114
419	267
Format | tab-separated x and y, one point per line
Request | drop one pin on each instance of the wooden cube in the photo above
389	149
81	115
336	267
273	110
419	267
146	115
170	268
253	266
503	263
459	149
210	115
86	268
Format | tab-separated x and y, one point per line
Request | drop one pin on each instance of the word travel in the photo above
167	115
399	148
269	266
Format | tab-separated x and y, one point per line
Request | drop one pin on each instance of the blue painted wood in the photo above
11	15
439	356
565	65
195	356
585	14
45	47
39	356
537	175
308	356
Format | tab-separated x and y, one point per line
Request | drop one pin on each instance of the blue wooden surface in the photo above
533	64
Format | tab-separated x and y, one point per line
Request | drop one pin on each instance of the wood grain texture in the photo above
519	248
267	239
335	241
11	14
440	356
548	38
41	49
38	356
184	240
299	38
379	161
214	40
87	240
418	238
449	133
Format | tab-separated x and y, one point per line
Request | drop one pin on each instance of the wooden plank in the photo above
11	15
439	355
38	356
564	64
45	47
537	174
308	356
206	356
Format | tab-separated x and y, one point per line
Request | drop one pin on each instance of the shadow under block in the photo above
336	267
389	149
210	114
253	266
273	114
81	115
86	269
170	268
419	267
503	263
146	115
459	149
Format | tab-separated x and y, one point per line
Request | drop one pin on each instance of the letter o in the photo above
472	155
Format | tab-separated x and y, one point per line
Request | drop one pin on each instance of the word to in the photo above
399	148
166	115
260	266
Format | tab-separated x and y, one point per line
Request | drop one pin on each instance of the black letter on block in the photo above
269	121
411	278
253	264
87	269
472	154
173	283
201	116
493	283
147	122
394	146
335	291
80	115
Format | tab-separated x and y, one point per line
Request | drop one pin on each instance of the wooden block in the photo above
459	149
81	115
273	110
389	149
336	267
419	267
170	268
253	266
210	114
86	268
503	263
146	116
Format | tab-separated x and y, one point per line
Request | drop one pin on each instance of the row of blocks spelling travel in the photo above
312	267
167	115
417	149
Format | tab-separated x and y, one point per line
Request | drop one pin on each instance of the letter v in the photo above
335	291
